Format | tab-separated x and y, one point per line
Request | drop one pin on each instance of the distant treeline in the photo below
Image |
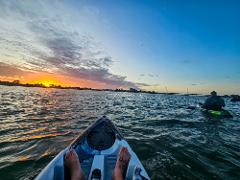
131	90
17	83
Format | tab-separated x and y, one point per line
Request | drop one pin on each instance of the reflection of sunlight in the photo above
47	153
41	136
23	158
35	130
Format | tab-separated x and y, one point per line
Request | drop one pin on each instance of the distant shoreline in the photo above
131	90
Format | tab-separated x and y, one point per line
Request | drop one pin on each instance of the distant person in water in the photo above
214	102
73	164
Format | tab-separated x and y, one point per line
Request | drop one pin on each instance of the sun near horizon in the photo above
175	47
46	79
47	82
55	79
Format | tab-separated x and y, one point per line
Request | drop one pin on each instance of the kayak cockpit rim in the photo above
83	135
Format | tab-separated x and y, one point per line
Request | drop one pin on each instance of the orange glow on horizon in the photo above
48	79
46	82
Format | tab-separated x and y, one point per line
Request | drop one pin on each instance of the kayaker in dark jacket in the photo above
214	102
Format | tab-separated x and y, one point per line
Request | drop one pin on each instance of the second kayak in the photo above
220	113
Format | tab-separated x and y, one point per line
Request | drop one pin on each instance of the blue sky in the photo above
158	44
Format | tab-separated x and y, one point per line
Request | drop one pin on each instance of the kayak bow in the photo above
97	148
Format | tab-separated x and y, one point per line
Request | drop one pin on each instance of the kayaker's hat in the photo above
213	93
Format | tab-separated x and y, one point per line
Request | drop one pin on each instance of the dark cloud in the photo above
9	70
63	51
100	75
75	60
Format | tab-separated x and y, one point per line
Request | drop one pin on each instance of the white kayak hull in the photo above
97	148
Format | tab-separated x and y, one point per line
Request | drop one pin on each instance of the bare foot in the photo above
121	164
73	164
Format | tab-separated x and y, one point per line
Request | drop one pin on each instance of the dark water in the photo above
172	142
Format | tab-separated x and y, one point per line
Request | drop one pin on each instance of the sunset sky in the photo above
146	44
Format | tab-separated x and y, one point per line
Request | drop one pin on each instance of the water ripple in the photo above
172	141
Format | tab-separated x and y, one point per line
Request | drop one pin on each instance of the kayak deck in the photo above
97	148
221	113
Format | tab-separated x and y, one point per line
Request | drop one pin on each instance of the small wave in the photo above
173	142
40	136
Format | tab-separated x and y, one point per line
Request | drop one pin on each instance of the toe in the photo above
127	156
126	159
74	153
67	155
71	152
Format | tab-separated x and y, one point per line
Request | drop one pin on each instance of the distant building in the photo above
133	90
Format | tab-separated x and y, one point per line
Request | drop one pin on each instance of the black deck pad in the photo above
101	137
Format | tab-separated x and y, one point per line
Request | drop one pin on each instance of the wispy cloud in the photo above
43	41
150	75
143	84
186	61
227	77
